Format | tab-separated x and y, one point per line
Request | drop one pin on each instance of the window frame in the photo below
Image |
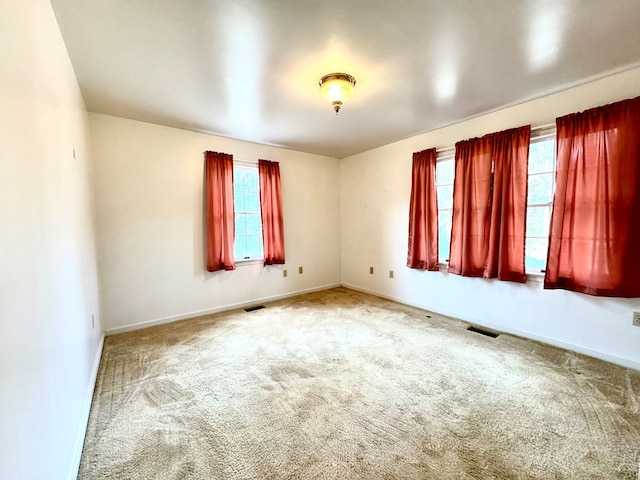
442	156
539	136
247	165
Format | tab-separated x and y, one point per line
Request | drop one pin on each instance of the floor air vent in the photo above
252	309
486	333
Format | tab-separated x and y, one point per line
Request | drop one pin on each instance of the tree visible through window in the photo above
539	201
246	202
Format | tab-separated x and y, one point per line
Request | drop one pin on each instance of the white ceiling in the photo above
249	69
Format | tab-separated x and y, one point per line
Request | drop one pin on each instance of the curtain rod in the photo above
533	129
543	127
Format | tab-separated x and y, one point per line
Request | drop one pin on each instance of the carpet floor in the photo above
342	385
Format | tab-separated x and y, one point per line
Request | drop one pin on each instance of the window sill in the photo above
537	277
532	276
251	261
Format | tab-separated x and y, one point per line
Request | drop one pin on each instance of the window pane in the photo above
238	178
254	246
538	219
444	171
540	188
254	226
240	247
246	198
238	201
443	247
241	227
251	203
251	181
542	156
535	253
445	196
444	234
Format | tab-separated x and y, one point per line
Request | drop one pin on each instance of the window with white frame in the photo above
246	203
445	169
541	182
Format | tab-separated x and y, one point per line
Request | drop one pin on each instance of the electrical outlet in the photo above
390	273
284	272
371	270
636	319
300	270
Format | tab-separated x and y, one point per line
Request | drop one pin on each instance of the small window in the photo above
246	203
445	169
541	178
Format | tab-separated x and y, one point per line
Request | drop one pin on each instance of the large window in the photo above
445	169
246	202
541	178
539	201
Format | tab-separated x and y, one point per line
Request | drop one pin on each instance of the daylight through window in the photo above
445	169
246	202
541	179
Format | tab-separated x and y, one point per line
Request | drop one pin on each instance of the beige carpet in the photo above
342	385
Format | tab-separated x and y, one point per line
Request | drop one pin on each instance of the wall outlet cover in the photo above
636	319
284	272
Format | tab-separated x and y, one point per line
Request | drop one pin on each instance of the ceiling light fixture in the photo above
337	88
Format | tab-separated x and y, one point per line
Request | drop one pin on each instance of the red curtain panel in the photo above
505	256
471	204
272	214
423	213
489	206
594	243
220	223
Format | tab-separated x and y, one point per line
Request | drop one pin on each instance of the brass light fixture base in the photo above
337	88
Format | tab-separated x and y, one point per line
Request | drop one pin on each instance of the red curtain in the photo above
220	223
471	202
272	215
489	206
595	225
505	260
423	213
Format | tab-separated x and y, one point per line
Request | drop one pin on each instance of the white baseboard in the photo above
86	410
222	308
511	331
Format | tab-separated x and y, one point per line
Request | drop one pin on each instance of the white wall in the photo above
48	280
149	204
375	189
